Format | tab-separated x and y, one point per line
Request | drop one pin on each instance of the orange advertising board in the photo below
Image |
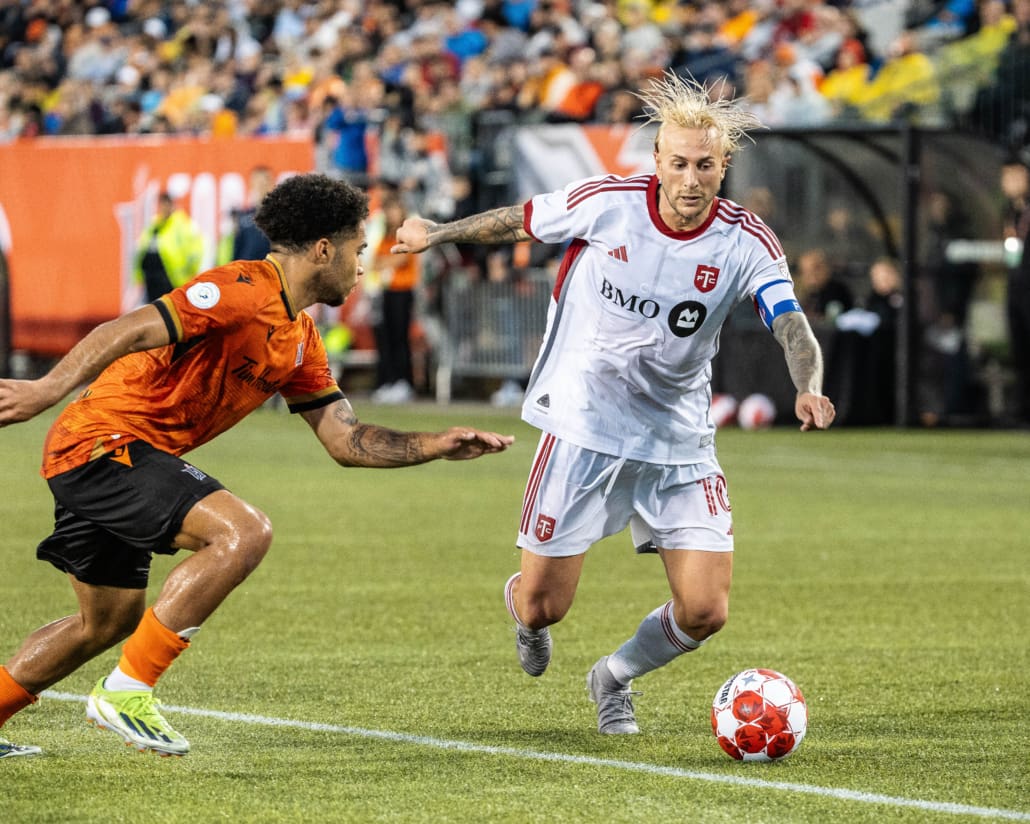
71	212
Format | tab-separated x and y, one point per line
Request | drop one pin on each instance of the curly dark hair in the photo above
304	208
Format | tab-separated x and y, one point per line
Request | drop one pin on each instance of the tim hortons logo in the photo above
706	277
544	528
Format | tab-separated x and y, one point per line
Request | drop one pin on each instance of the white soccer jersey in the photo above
634	319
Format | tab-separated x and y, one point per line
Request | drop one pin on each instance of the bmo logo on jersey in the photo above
631	303
686	318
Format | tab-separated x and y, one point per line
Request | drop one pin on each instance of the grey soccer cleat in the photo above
615	714
534	649
9	750
533	645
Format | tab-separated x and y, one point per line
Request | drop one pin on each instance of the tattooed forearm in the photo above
801	349
502	225
370	445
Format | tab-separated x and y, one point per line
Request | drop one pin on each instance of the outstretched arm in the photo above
353	443
502	225
135	331
805	363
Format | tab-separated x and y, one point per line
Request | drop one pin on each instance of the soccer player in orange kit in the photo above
164	379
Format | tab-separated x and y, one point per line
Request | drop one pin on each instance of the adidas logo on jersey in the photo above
544	401
619	254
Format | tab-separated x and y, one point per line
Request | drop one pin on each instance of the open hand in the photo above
460	443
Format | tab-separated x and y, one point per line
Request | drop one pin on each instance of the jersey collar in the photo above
662	226
284	290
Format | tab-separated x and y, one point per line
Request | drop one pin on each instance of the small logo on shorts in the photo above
121	455
544	528
192	470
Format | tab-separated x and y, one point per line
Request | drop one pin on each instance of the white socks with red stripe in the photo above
657	641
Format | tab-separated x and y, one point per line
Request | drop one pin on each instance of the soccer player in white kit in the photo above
621	386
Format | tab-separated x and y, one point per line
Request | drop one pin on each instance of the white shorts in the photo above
575	497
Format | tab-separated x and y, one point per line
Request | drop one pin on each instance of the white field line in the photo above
586	760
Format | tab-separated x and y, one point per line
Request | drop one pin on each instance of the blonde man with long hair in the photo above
655	263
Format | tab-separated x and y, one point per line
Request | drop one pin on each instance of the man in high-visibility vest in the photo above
169	251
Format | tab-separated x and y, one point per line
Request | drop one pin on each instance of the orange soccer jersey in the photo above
236	341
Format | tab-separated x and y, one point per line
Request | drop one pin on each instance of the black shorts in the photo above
113	513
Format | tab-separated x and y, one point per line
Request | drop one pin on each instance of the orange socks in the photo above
13	696
150	650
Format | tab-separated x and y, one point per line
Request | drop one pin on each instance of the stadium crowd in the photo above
353	72
405	95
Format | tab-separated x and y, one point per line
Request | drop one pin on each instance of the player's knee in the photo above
249	540
540	610
701	621
112	626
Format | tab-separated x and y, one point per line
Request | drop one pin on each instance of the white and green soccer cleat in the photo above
9	750
135	717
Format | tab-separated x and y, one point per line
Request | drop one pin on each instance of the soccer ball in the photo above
756	412
724	409
759	715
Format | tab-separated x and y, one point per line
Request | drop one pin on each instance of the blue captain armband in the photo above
775	299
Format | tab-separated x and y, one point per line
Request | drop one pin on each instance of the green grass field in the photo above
366	671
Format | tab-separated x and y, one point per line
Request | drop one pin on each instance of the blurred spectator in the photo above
249	242
1015	185
580	90
906	81
759	84
950	283
795	99
619	106
847	241
416	164
704	54
945	288
350	123
1002	107
845	84
862	362
397	277
971	62
169	251
952	20
821	291
642	39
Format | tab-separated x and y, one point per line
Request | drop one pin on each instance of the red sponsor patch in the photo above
544	528
706	277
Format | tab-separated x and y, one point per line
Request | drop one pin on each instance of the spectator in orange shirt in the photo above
398	276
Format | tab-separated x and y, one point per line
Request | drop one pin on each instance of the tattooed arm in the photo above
502	225
805	364
353	443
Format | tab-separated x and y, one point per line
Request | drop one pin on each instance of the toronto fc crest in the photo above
544	528
706	277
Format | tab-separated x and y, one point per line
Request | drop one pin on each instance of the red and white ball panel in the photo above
759	715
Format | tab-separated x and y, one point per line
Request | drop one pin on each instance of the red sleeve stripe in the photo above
750	223
611	183
571	253
527	219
